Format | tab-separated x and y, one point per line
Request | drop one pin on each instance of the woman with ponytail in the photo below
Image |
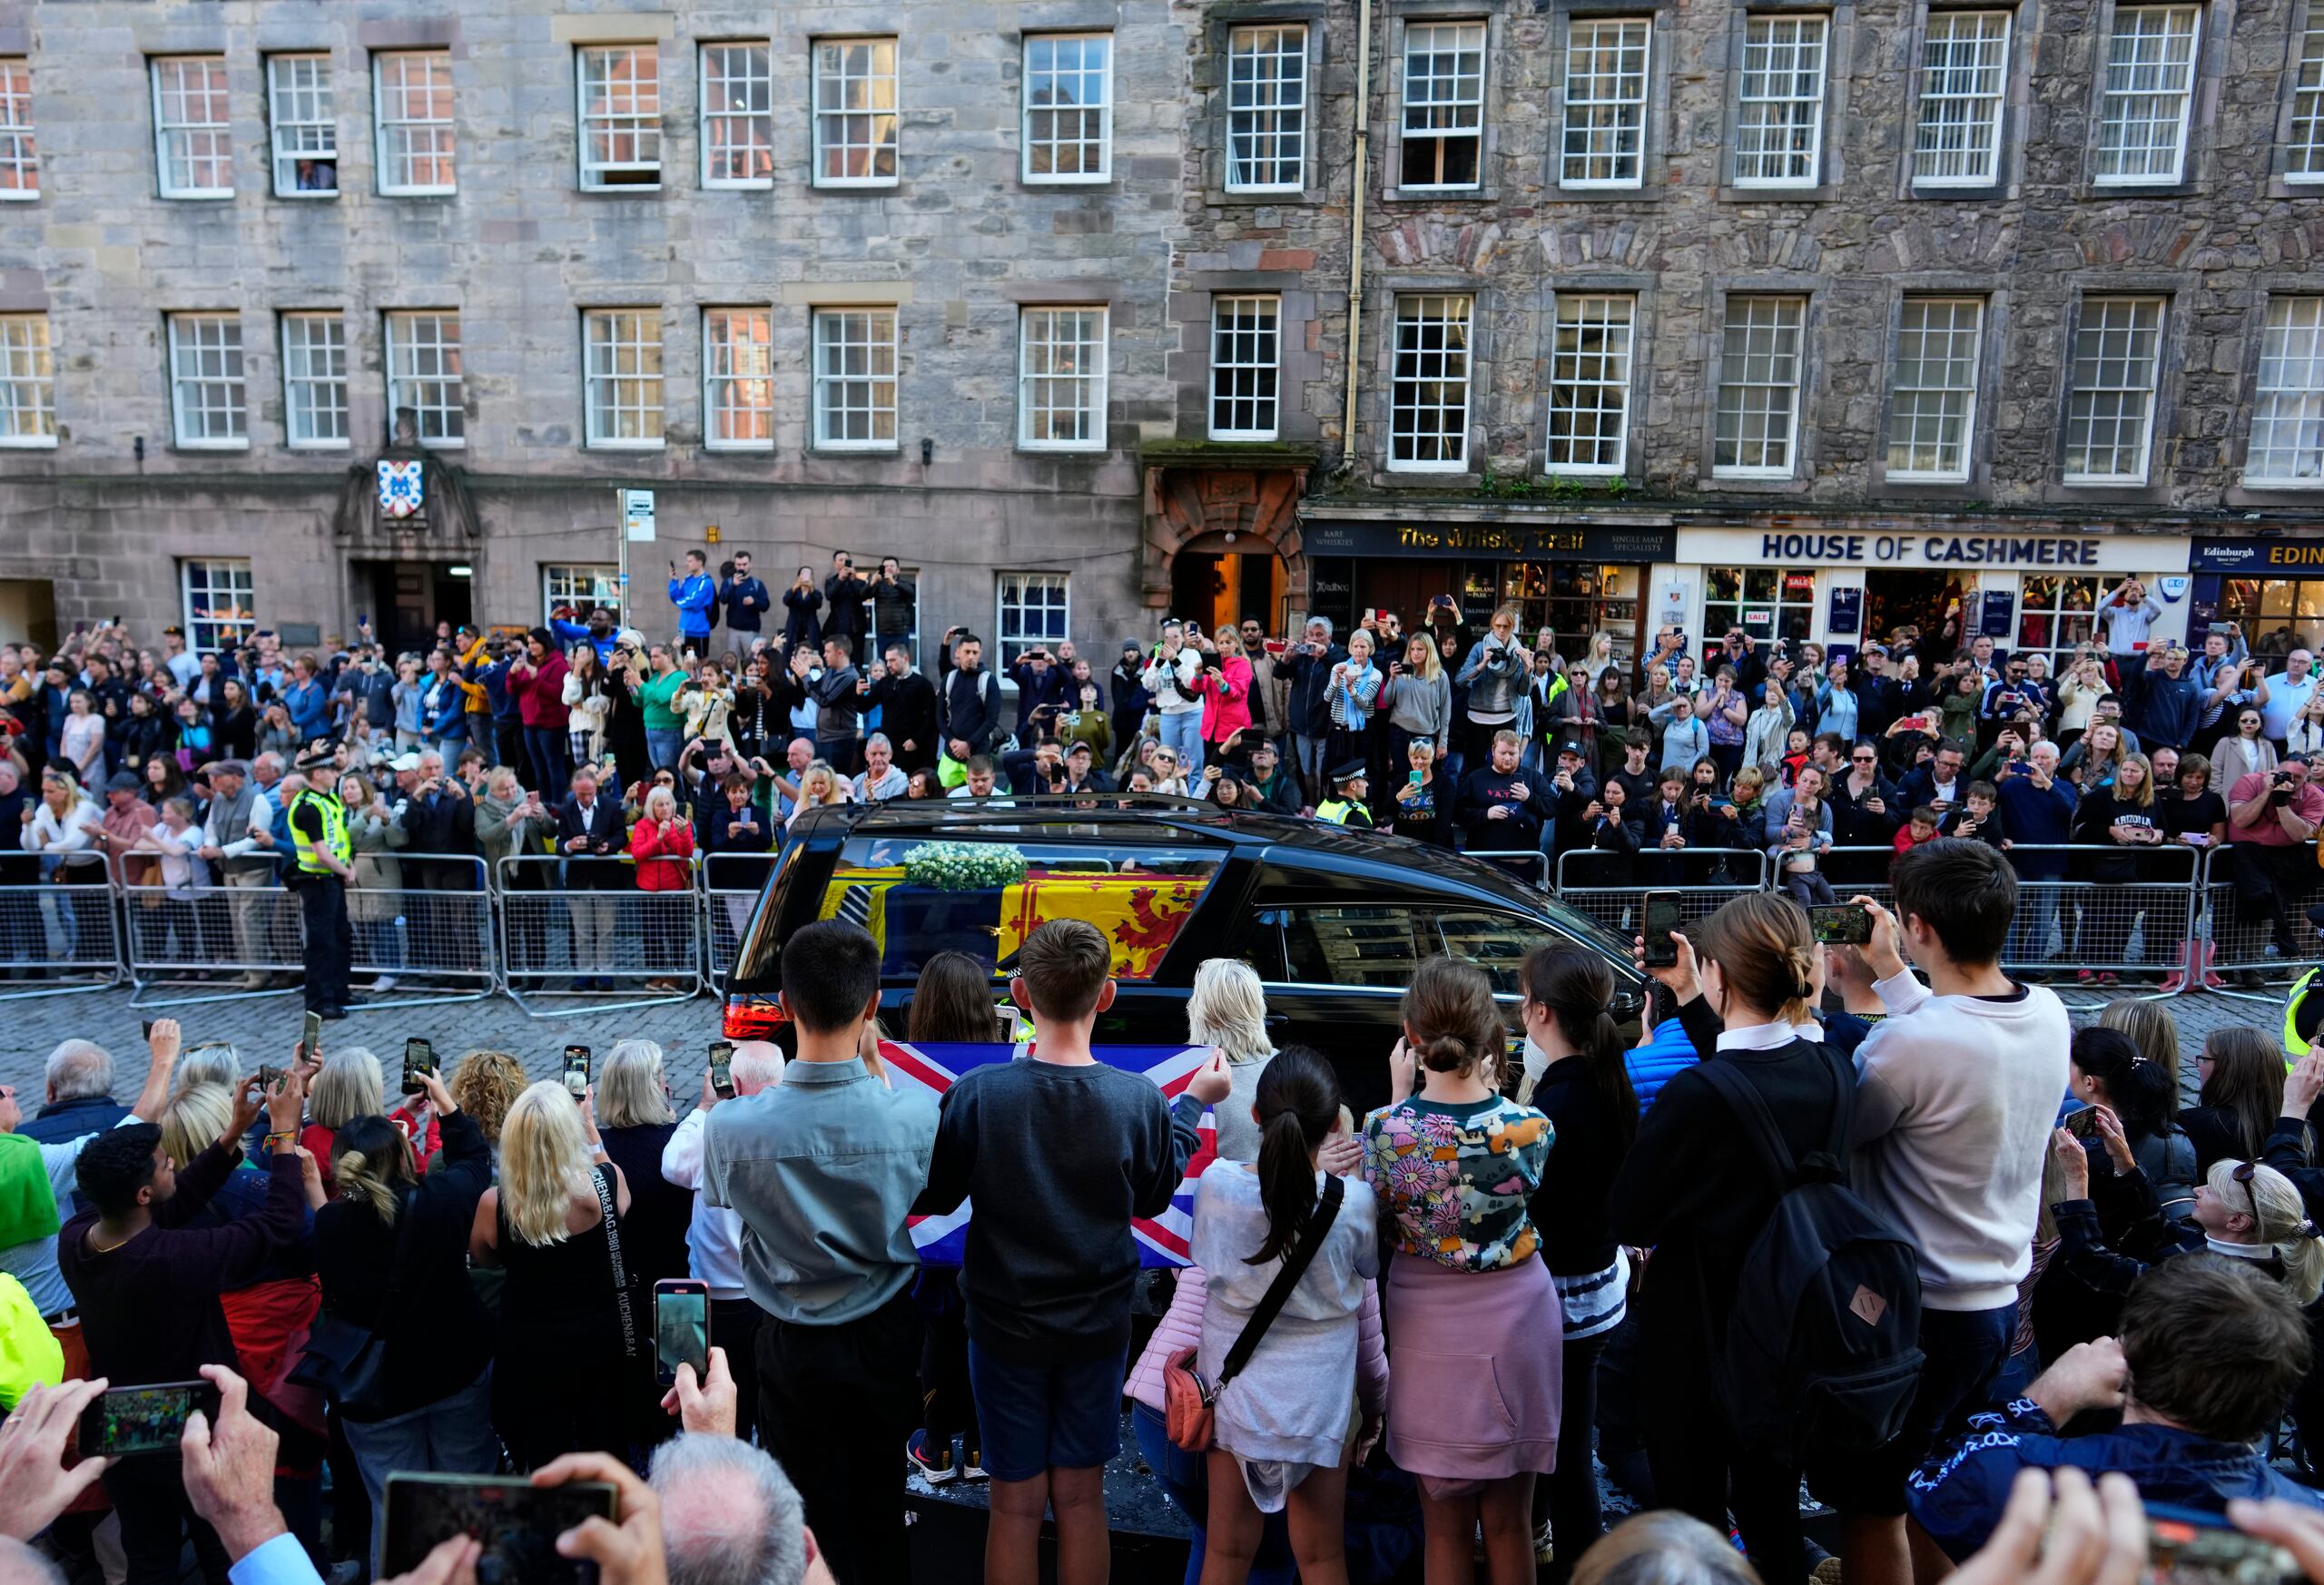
1576	1076
1694	1187
1285	1425
392	1253
1472	1401
2108	1071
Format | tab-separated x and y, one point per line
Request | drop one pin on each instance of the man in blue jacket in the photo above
2210	1352
2165	699
2037	807
744	597
697	598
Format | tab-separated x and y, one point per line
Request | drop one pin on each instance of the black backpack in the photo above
1822	1343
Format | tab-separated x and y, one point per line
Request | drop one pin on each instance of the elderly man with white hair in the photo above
715	1236
76	1094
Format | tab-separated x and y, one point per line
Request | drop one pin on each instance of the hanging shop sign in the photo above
1947	550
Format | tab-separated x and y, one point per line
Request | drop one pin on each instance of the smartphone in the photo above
1661	918
576	1068
1415	777
140	1420
2187	1547
1840	924
722	1071
681	1327
311	1040
149	1029
268	1078
518	1524
2224	629
1275	646
419	1058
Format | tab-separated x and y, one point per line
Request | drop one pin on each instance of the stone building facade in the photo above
1810	317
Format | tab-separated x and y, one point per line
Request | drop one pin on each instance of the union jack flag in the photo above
1164	1240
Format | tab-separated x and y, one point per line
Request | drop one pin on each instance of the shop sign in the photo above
1500	541
2000	606
2256	554
2098	552
1847	610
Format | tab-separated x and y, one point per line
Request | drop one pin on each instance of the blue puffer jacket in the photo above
1652	1064
1958	1497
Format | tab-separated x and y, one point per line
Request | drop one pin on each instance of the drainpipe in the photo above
1355	231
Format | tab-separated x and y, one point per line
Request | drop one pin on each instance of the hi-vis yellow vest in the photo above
335	838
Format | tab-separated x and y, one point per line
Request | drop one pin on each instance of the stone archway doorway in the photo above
1220	535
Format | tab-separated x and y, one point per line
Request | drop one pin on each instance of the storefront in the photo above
1841	587
1576	580
2274	588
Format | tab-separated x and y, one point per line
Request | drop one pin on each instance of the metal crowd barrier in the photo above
1585	882
56	939
578	930
2233	938
229	942
730	891
1527	859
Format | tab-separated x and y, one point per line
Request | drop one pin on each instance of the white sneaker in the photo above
384	982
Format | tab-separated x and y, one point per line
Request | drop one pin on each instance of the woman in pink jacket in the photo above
1226	689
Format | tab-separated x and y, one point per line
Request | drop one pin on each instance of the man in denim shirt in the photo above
822	1169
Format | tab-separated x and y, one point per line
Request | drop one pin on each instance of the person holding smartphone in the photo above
131	1260
391	1255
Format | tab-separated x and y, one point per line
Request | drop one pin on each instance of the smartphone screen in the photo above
151	1419
2186	1547
681	1326
516	1524
419	1058
1840	924
1661	918
268	1078
312	1040
576	1068
722	1071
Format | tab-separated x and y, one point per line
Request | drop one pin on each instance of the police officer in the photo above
324	868
1346	805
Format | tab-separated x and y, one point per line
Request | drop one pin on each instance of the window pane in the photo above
1759	385
2287	412
1779	120
1936	387
1031	609
2111	408
2304	161
1358	945
1589	383
1428	426
1444	105
303	125
424	375
19	162
1245	354
856	112
625	377
1605	102
1068	106
206	384
219	603
621	116
314	379
1266	108
737	115
27	381
1061	378
855	377
1964	64
738	377
194	146
416	126
580	587
2150	83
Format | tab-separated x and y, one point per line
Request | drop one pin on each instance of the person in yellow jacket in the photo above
1345	806
325	860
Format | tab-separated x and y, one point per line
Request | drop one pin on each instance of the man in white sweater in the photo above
1955	1094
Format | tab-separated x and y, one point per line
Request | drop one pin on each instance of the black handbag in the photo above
348	1363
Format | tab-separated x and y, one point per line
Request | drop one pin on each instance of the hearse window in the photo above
982	891
1358	945
1495	943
